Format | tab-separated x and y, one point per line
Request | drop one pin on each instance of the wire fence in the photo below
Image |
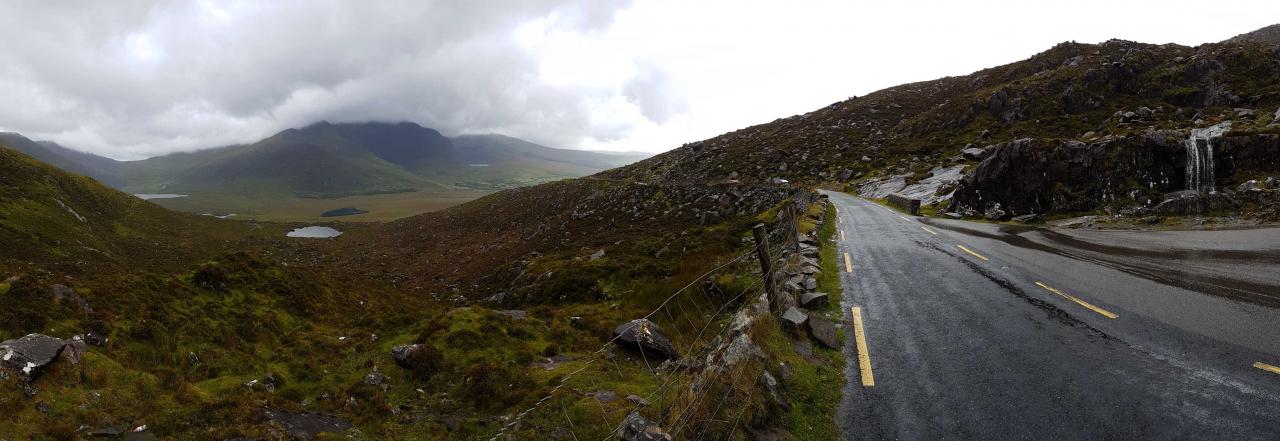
697	319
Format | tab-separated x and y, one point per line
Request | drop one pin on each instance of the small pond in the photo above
150	196
314	232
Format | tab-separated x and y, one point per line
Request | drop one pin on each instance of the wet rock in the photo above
881	187
823	331
638	428
28	355
813	300
645	335
937	187
305	426
794	320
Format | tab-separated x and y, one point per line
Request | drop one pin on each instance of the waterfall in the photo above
1200	167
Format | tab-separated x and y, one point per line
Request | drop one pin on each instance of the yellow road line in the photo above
962	248
1105	313
935	233
1267	367
848	264
860	340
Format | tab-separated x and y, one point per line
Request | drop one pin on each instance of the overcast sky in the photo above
131	79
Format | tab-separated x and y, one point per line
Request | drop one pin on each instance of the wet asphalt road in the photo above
967	348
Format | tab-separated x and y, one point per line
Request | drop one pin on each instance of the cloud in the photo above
131	79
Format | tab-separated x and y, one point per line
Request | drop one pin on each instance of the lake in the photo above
314	232
150	196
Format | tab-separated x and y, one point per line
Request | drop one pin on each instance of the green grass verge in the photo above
816	381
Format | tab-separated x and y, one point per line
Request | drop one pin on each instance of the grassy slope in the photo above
59	220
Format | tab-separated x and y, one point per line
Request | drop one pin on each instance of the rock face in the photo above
645	336
638	428
1042	176
29	355
881	187
937	187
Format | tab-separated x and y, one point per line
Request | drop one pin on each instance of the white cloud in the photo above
138	78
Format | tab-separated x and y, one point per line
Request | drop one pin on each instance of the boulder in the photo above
645	335
974	154
29	355
810	283
813	300
773	391
1275	121
823	331
597	255
414	356
638	428
794	320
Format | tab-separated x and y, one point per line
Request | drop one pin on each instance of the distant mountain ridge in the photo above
331	160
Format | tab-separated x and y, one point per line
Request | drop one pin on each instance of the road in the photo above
986	331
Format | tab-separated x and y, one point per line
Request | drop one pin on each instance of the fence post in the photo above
766	262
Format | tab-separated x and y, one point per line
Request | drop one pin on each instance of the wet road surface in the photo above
984	331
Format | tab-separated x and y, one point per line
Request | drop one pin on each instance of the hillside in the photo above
1083	101
105	170
58	221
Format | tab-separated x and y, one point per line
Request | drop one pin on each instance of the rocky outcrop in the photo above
1029	176
645	336
28	356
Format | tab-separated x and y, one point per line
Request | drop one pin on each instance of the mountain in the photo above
505	162
1269	35
103	169
331	160
1077	128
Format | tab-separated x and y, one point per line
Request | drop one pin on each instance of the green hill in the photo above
55	219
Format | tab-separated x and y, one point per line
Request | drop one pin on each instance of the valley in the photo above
1081	244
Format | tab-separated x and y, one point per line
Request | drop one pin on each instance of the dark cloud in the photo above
138	78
